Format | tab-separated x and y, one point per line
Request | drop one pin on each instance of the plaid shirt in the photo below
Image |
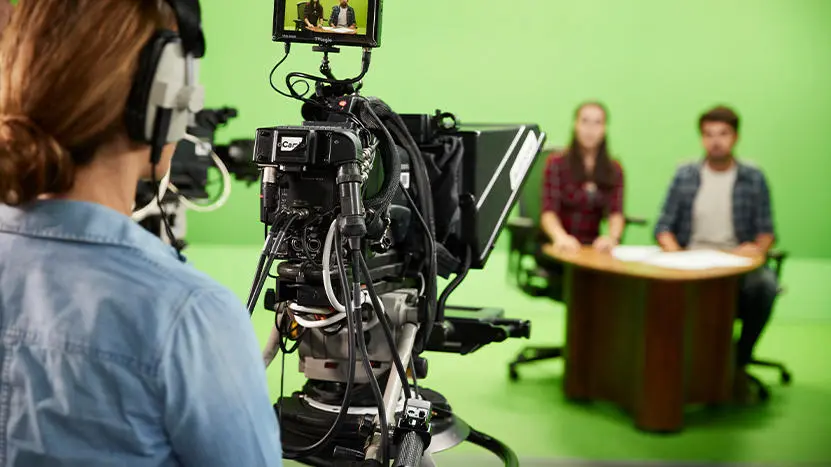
579	210
350	15
751	204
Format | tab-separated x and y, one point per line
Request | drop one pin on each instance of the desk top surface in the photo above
341	31
588	258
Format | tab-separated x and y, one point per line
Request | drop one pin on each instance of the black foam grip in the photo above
410	452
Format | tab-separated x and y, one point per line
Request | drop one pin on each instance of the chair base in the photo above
784	374
532	354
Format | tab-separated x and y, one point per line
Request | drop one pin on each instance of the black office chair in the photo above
775	260
529	266
300	22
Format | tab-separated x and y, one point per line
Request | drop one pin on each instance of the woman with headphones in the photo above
113	351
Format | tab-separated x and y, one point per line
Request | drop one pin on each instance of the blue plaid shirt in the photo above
751	204
350	16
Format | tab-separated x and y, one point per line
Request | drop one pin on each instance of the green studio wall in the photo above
656	64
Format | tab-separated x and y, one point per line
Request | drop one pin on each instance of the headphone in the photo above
165	93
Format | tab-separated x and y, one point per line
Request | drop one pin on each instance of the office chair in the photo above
533	277
300	22
775	260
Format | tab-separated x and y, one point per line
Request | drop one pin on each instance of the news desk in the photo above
650	339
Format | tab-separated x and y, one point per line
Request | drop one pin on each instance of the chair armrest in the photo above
517	223
777	255
635	221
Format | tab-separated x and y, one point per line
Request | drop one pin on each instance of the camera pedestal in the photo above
303	423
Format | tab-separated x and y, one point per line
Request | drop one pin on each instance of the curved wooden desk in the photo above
649	339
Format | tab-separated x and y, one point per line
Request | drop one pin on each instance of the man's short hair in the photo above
721	114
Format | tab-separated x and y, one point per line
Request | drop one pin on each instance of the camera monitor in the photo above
328	22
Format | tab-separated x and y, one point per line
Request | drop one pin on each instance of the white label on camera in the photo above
290	143
203	149
523	160
405	180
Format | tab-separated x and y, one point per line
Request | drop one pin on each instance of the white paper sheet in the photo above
635	253
337	30
697	259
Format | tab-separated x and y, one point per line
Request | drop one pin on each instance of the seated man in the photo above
343	16
723	203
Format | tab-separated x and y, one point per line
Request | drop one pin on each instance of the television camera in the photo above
363	209
185	187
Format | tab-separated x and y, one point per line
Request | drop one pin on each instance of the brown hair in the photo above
721	114
66	71
6	10
603	175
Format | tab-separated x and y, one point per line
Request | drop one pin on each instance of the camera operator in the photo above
114	351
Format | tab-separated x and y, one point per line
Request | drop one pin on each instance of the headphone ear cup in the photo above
138	103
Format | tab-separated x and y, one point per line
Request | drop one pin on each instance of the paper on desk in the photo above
635	253
337	30
697	259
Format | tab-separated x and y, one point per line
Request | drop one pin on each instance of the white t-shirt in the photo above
713	210
343	17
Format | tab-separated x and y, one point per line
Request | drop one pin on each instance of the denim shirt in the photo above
115	353
752	214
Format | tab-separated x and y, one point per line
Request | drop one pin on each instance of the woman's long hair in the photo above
603	175
66	71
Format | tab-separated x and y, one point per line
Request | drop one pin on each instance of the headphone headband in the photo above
189	19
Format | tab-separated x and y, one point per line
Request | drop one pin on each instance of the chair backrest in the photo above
301	10
530	199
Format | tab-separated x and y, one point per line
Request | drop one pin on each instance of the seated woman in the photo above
313	14
582	186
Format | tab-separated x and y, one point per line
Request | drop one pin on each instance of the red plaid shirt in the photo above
579	210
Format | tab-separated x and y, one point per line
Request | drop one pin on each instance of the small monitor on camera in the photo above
328	22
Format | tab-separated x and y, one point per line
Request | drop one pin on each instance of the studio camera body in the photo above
363	209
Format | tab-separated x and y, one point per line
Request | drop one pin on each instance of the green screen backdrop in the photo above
656	64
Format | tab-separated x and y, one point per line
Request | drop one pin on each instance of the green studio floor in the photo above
531	416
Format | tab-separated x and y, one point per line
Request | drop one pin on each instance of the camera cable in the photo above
294	453
262	275
396	359
373	382
431	316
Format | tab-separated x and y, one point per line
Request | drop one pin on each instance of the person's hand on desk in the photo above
748	249
668	243
604	244
566	244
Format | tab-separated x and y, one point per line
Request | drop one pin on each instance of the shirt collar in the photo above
80	221
743	171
